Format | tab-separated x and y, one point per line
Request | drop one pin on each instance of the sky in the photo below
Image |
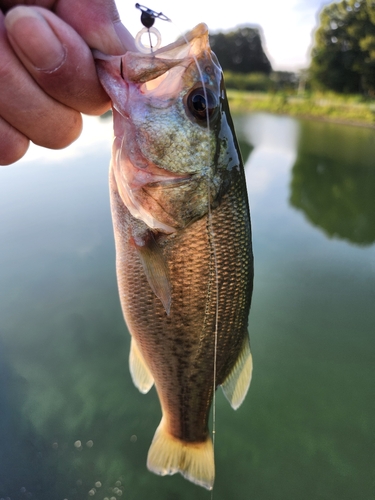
287	25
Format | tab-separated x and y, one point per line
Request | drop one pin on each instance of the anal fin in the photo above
237	383
139	370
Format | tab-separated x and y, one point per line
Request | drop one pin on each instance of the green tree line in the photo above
245	62
241	51
343	57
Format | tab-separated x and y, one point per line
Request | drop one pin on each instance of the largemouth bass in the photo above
183	242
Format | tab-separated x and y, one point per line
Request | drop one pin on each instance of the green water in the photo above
72	426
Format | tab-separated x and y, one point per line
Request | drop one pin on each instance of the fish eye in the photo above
202	104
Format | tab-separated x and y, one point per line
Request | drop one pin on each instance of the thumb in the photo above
98	23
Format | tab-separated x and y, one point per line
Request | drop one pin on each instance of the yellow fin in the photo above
195	461
139	371
237	383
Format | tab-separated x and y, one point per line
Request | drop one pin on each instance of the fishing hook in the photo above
148	17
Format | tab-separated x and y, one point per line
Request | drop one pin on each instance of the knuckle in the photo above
13	153
13	144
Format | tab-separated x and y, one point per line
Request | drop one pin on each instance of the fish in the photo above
182	231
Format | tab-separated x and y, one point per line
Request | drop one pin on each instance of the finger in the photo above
98	23
57	58
27	108
13	144
8	4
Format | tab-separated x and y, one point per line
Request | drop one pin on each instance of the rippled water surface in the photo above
72	426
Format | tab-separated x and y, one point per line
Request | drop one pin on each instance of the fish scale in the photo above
184	331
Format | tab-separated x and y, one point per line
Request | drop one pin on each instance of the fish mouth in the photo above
150	70
182	46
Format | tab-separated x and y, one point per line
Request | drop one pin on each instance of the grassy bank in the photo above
343	109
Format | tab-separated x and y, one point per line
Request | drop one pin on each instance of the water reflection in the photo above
275	143
329	171
333	180
72	425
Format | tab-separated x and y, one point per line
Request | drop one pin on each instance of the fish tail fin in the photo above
195	461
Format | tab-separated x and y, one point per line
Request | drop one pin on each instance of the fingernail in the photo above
34	38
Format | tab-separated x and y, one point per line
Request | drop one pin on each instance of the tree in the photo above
241	51
343	58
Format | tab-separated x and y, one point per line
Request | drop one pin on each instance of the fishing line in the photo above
148	17
211	237
211	240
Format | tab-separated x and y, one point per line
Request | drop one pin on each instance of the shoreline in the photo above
322	108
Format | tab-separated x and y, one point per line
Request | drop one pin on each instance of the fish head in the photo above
174	148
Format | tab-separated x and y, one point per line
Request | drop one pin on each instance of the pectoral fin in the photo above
237	383
139	371
155	268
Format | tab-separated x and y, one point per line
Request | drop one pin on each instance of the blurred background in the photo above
300	57
73	426
286	27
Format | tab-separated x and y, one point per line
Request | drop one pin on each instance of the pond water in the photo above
73	426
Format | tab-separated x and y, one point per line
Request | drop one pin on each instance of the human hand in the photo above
47	72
